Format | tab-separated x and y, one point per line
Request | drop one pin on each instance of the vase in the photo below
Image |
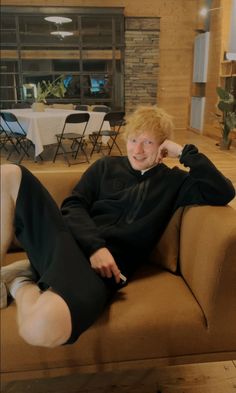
38	107
225	144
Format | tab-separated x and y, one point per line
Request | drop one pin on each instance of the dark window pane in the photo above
119	29
95	65
72	83
96	32
65	65
9	83
8	66
36	65
97	86
8	31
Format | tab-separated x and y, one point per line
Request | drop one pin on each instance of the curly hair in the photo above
149	119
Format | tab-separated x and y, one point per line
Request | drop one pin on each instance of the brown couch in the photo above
162	317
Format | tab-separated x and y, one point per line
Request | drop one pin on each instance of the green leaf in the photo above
225	106
231	120
47	88
222	93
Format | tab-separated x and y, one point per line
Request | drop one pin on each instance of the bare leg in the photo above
10	183
43	318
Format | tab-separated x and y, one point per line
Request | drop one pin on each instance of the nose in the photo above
138	148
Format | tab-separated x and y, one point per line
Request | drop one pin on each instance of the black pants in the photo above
56	257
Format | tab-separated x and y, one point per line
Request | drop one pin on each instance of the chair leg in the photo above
80	147
14	147
60	145
95	144
112	145
57	149
65	155
84	151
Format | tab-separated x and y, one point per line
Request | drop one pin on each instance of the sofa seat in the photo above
123	331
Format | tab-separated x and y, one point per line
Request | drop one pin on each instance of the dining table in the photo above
41	127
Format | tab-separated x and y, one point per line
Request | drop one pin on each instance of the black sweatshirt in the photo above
117	207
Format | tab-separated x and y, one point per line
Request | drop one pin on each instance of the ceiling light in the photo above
62	34
58	19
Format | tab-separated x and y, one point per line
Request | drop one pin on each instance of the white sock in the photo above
17	283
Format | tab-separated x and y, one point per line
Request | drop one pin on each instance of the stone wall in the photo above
141	61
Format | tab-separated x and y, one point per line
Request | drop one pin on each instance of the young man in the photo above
106	228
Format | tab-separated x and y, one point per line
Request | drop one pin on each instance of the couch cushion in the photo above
166	252
155	316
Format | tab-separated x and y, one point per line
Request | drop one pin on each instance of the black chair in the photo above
77	140
81	108
16	135
101	108
4	139
116	120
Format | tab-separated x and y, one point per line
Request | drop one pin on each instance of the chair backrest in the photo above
9	117
115	118
77	118
101	108
81	108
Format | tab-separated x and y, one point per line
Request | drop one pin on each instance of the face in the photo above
142	151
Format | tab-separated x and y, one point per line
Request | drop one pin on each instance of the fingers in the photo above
104	264
108	271
164	153
169	149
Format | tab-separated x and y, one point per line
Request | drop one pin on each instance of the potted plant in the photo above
227	119
48	88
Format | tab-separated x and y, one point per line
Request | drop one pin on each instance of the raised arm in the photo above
204	184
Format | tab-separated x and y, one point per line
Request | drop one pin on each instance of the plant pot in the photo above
225	144
38	107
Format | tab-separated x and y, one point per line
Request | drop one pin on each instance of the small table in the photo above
41	127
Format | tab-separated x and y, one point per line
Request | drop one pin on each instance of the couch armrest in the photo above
208	262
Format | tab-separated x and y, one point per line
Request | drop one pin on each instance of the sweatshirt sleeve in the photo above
76	209
204	184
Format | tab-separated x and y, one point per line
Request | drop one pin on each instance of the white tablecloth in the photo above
41	127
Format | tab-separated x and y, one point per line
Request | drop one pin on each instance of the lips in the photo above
139	158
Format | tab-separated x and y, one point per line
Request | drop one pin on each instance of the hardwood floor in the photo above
214	377
219	377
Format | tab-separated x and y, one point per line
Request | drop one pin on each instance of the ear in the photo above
159	156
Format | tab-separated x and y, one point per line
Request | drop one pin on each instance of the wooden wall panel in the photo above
219	35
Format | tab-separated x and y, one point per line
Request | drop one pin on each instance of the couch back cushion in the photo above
166	251
59	184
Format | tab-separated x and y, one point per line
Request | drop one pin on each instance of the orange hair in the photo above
149	119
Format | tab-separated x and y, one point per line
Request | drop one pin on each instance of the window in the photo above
87	49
